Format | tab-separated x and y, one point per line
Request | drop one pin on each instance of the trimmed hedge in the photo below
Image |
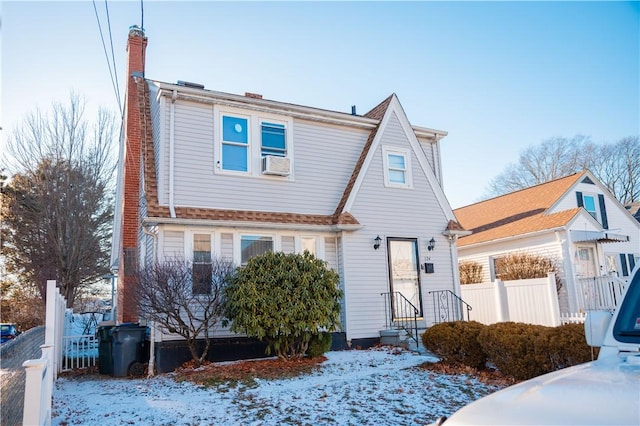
516	349
456	343
519	350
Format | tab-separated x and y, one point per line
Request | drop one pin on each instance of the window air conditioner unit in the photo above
274	165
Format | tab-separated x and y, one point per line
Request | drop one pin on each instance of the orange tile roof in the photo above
516	213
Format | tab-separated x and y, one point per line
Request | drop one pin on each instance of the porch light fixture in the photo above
432	244
376	242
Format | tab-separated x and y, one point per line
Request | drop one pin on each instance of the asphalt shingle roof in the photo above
516	213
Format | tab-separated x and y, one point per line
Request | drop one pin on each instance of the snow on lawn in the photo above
357	387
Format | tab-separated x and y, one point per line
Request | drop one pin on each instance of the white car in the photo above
601	392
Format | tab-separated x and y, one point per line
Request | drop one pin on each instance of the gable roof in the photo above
383	112
340	219
519	212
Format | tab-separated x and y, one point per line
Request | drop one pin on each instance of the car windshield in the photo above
627	326
6	328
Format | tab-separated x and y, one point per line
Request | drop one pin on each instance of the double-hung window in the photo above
235	143
397	168
273	139
254	245
589	203
202	275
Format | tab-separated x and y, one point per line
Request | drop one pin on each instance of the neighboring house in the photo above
234	176
574	220
634	209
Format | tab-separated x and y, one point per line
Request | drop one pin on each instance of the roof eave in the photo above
155	221
512	237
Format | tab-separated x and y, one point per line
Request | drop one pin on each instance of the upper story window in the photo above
235	143
273	139
253	143
589	203
595	205
397	167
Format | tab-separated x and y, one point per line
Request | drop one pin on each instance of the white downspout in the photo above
172	113
152	325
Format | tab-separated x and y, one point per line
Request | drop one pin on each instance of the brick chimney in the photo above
127	310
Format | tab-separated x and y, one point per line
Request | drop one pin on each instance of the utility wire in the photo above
104	48
113	57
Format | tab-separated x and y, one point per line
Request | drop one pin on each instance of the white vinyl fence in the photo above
42	372
532	301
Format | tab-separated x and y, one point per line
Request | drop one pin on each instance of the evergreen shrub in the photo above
516	349
456	343
285	300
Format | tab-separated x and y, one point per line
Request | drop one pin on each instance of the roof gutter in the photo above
512	238
154	221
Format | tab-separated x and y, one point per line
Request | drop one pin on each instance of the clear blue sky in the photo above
498	76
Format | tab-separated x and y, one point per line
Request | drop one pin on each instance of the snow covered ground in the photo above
359	387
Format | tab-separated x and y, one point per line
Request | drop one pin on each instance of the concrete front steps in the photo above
399	337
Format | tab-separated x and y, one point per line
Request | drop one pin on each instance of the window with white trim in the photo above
589	204
242	139
273	139
201	266
309	244
397	167
235	143
254	245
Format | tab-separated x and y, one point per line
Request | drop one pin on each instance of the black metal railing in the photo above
400	313
448	306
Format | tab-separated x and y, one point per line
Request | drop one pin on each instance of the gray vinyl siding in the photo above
331	252
173	244
193	154
288	244
226	246
392	212
323	159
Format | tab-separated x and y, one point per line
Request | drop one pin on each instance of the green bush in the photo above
516	349
456	343
319	344
284	299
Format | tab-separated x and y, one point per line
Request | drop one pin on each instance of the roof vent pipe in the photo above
353	110
191	85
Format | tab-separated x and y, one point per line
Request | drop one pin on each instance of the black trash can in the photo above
105	354
128	347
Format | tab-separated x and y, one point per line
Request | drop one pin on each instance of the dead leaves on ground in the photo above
247	371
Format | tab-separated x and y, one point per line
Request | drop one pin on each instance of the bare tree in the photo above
184	298
616	165
56	209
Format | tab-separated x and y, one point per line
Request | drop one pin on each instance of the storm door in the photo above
584	262
404	273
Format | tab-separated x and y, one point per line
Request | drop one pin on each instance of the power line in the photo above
106	54
113	57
